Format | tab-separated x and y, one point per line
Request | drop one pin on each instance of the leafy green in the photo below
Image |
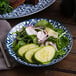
22	32
22	38
62	42
18	44
30	39
34	38
60	31
5	7
59	53
44	23
52	39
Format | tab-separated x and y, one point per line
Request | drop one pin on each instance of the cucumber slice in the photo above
45	54
25	48
29	54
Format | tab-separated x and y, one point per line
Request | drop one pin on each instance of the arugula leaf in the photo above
44	23
60	31
59	53
17	44
34	38
62	42
21	43
52	39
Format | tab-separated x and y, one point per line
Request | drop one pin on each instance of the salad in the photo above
41	43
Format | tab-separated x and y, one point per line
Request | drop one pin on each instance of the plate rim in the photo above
53	1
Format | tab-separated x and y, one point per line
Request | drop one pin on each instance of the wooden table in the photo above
66	67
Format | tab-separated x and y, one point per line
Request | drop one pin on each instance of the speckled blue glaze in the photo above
10	38
27	9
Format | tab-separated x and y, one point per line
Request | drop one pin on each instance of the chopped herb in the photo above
5	7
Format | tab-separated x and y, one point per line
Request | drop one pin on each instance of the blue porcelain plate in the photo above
11	36
27	9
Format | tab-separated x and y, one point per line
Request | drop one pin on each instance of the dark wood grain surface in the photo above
67	67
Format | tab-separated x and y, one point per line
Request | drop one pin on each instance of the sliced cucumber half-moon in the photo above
45	54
